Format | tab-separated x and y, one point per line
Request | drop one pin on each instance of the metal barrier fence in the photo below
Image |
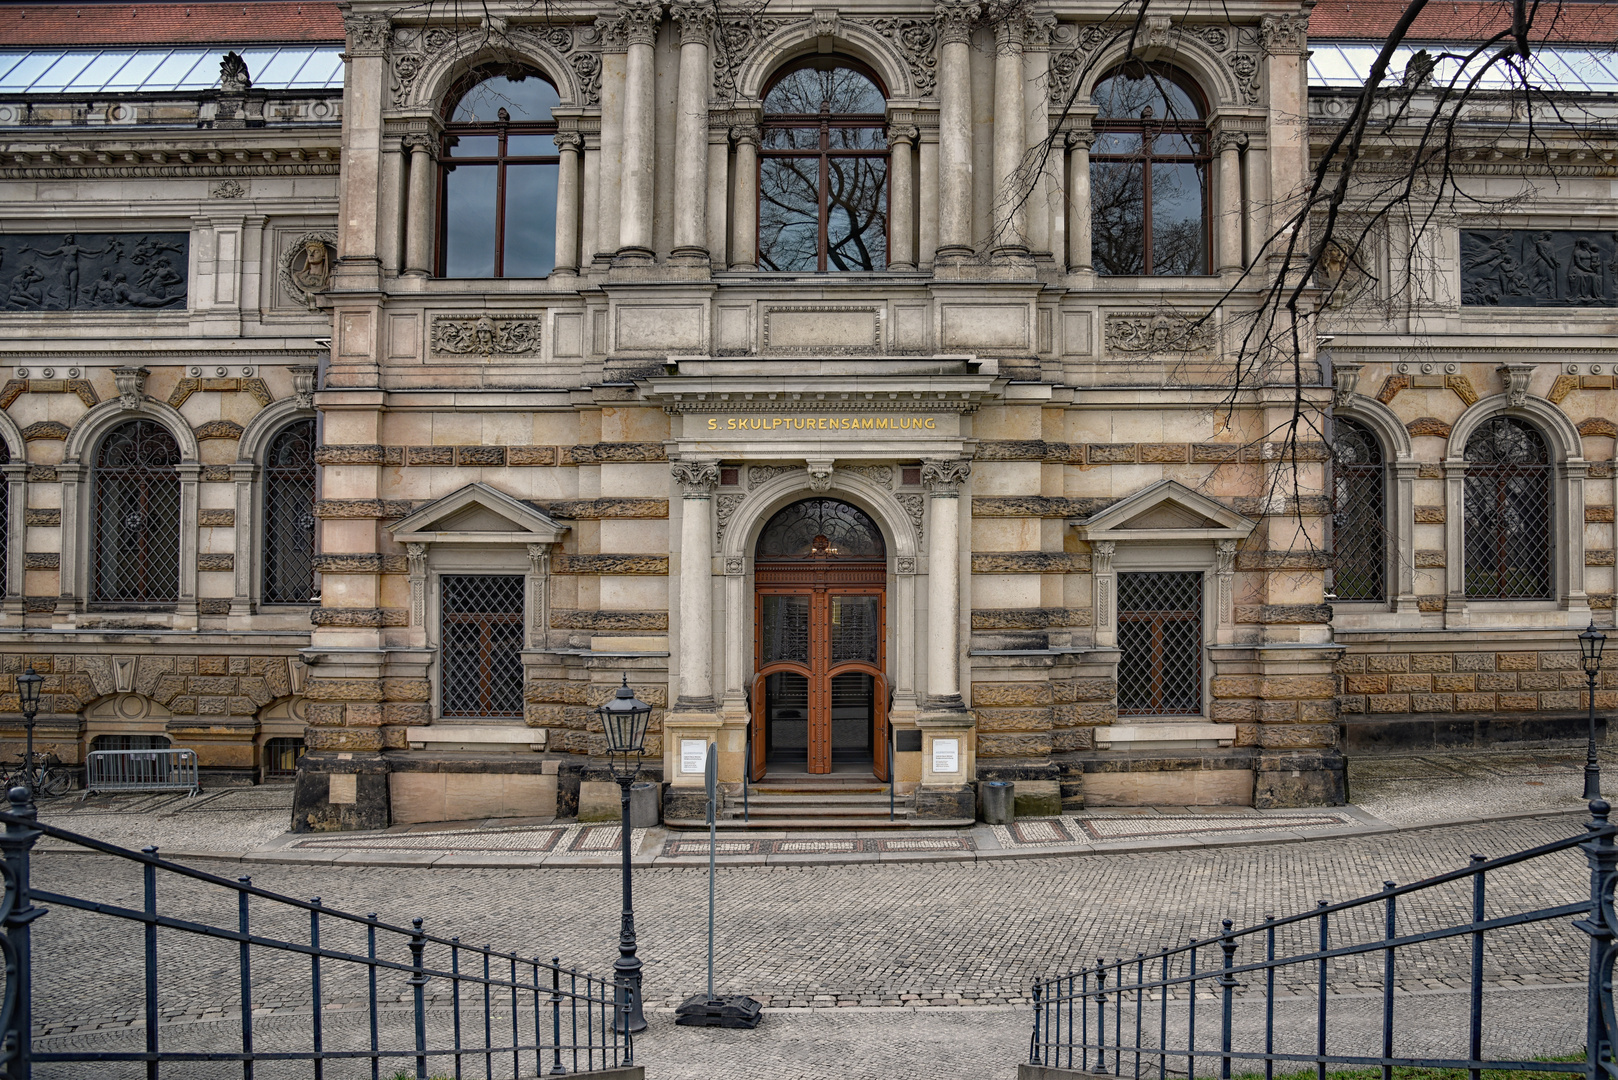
141	770
1114	1018
559	1020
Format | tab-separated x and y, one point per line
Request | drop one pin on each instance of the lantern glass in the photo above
1591	642
624	719
28	689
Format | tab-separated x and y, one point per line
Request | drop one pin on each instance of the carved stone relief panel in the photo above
93	271
1539	268
486	335
578	46
305	263
1158	332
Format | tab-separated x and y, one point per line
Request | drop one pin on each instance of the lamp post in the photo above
624	718
28	691
1590	645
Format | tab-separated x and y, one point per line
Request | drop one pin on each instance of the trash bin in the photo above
643	805
999	801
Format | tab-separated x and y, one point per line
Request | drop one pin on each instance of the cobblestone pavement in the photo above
932	948
1424	789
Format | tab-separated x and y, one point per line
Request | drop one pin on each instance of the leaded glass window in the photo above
823	170
1359	532
1160	639
1508	512
828	527
289	515
480	641
137	516
5	517
1149	173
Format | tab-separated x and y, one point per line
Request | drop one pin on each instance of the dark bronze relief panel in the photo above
1539	268
92	271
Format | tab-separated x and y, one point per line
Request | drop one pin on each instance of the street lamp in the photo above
28	691
624	718
1590	645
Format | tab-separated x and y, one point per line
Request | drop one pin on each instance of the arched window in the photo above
823	170
830	527
1359	519
5	520
137	516
1508	512
499	174
289	515
1149	173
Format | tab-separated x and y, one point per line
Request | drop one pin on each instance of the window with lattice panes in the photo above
1359	531
136	531
1160	641
480	644
1508	512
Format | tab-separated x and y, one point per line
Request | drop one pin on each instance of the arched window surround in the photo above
78	508
1567	510
247	474
15	472
1399	500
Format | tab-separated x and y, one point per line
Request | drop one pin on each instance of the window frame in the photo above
518	619
1148	131
94	598
503	130
824	121
1474	472
261	531
1200	649
1384	511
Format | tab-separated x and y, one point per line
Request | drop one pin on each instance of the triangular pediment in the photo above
477	513
1168	510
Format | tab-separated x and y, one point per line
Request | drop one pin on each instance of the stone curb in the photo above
652	856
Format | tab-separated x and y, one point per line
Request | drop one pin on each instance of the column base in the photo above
687	724
634	256
690	257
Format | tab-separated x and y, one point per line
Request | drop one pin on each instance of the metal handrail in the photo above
1059	1036
509	982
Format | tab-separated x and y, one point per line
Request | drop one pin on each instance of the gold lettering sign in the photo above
785	424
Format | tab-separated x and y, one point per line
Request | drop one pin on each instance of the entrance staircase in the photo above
803	802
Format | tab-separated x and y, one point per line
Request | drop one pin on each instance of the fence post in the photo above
1034	1056
1228	983
1101	1016
17	1015
418	983
1602	926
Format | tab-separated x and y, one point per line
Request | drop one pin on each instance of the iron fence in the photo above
1138	1017
141	770
500	1008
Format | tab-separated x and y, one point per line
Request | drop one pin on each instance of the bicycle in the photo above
48	776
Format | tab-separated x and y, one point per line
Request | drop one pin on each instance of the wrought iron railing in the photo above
1139	1017
491	1011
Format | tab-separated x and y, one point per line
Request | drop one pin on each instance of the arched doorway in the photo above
820	689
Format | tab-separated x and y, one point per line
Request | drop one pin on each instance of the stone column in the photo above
364	93
1010	240
609	195
693	20
943	482
697	479
567	202
639	19
718	196
1105	583
927	231
1078	199
954	210
901	196
744	233
1284	74
1037	129
243	474
419	233
73	560
1258	198
1455	613
590	198
185	611
1229	233
1402	517
16	481
391	211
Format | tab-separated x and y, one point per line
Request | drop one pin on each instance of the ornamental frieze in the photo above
1158	333
93	271
486	335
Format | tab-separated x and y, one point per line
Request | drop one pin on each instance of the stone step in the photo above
816	810
771	798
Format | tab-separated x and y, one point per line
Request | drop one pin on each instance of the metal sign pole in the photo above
712	781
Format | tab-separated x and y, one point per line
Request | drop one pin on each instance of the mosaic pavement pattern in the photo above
1098	829
518	840
821	846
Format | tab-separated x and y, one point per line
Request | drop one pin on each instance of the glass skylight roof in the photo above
1568	68
129	71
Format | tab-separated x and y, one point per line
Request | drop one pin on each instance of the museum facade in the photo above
869	385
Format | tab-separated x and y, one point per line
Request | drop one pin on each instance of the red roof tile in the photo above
97	24
1461	21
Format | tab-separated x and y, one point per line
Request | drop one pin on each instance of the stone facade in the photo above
1024	430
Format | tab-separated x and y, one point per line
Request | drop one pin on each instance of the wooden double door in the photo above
819	694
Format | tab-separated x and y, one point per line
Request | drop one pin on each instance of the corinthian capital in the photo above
943	477
638	20
697	479
955	19
694	20
367	34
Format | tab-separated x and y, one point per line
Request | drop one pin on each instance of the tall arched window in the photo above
823	170
289	515
1508	512
498	194
1149	173
137	516
5	520
1359	514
